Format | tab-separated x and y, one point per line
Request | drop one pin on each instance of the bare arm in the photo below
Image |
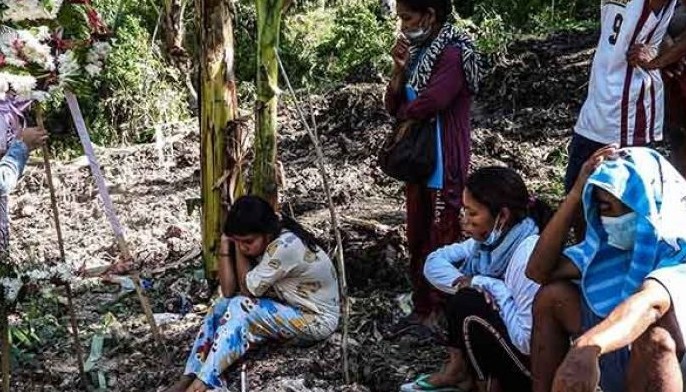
547	261
670	55
226	271
243	266
394	91
629	320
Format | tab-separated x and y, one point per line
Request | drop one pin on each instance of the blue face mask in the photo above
621	230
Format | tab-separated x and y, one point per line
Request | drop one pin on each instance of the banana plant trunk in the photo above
264	179
220	137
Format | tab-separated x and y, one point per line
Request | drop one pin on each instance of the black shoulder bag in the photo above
410	155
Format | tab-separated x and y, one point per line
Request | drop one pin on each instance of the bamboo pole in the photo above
343	285
60	242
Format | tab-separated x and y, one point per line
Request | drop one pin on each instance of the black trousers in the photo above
477	329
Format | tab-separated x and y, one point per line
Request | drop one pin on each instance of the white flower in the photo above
92	56
34	51
63	271
93	70
101	48
4	82
43	33
96	58
21	47
40	96
67	67
37	275
22	85
19	10
11	287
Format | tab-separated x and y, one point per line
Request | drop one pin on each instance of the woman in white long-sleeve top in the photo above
489	308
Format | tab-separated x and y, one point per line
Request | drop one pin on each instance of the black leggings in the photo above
477	329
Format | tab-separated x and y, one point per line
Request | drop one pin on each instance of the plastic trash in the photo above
97	343
146	283
405	303
166	318
124	282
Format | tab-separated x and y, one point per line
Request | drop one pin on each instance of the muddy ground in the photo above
522	119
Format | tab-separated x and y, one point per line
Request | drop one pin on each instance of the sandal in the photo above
422	384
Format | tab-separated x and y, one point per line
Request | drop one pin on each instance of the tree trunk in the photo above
174	35
220	138
264	181
174	28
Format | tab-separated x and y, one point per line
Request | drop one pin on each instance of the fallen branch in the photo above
334	220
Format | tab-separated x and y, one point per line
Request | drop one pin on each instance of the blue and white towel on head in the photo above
644	181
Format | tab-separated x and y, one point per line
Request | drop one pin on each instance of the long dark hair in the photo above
254	215
499	187
443	8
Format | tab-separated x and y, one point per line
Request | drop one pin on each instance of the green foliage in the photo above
358	38
245	33
320	44
549	20
142	91
492	35
37	326
137	90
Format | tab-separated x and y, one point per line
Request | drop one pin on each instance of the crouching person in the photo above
489	308
621	293
288	288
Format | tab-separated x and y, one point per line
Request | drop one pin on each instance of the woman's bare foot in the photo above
181	385
453	374
197	386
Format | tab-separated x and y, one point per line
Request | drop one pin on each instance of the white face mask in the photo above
418	36
621	230
495	234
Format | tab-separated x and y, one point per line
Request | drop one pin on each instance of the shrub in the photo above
136	91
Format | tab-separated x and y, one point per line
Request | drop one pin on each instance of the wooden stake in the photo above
60	242
5	330
142	298
80	125
343	285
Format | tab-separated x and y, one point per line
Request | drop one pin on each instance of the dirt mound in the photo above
538	89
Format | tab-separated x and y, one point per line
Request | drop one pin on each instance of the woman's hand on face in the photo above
605	153
400	53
